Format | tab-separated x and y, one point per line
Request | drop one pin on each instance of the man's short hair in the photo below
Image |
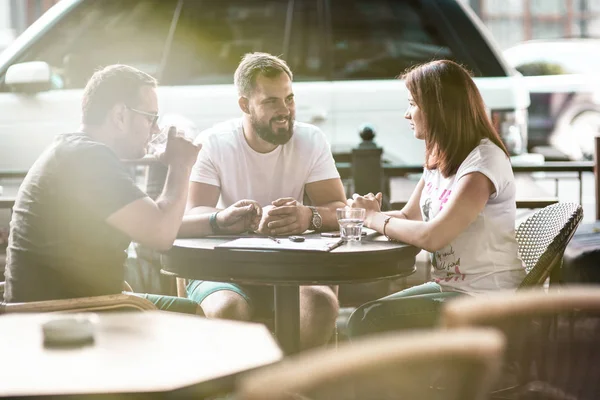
109	86
254	64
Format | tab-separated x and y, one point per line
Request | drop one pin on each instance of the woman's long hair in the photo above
454	116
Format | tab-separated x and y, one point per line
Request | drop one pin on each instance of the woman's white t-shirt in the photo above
484	257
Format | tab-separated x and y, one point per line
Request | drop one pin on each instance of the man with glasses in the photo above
78	208
151	117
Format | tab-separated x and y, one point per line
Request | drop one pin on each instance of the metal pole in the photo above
287	318
583	9
367	171
169	41
597	174
580	175
18	16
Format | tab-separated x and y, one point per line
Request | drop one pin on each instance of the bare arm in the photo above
242	216
412	210
327	196
155	224
290	217
202	200
472	193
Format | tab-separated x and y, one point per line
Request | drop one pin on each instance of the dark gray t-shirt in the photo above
60	245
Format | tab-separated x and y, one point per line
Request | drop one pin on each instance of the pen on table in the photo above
274	239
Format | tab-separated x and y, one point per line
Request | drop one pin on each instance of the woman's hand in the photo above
370	202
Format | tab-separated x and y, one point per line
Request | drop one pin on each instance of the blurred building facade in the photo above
17	15
513	21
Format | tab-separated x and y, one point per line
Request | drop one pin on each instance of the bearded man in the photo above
268	161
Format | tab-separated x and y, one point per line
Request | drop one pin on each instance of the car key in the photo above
297	239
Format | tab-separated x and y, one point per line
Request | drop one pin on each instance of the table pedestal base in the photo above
287	318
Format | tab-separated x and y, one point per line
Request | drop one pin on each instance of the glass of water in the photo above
158	142
351	221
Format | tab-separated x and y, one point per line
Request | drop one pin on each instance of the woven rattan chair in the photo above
124	301
420	365
552	340
542	240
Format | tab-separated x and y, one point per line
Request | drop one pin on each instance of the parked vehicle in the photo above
563	78
345	55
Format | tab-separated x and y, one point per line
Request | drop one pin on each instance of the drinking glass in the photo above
158	143
351	221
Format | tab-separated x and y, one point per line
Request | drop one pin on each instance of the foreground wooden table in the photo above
151	353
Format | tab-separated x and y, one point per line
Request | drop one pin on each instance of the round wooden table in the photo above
372	259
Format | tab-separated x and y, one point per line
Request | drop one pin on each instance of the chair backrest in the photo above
543	237
112	302
552	339
419	365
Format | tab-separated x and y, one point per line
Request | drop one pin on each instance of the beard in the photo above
266	132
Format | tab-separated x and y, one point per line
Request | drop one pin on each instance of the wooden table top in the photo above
146	352
371	259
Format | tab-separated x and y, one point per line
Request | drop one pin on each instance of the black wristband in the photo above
213	223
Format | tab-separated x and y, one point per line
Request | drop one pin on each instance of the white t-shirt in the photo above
484	257
227	161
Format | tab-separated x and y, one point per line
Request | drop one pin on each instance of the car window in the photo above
103	32
212	36
379	39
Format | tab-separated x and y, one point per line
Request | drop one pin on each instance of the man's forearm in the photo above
329	216
196	222
172	200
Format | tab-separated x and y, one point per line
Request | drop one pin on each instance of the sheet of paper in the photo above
316	244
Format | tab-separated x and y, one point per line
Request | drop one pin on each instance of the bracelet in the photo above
385	222
213	223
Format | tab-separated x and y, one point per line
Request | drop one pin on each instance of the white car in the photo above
345	55
563	78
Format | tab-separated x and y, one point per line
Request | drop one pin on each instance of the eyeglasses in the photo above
152	118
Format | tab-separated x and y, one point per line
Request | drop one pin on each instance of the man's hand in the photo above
242	216
180	152
285	217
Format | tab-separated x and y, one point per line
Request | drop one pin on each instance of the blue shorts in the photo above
170	303
258	297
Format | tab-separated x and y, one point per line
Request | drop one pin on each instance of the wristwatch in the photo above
316	222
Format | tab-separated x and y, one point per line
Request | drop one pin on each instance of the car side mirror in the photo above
29	77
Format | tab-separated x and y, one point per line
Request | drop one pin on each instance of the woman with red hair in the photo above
462	210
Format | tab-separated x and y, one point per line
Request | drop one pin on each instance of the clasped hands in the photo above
284	216
370	202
